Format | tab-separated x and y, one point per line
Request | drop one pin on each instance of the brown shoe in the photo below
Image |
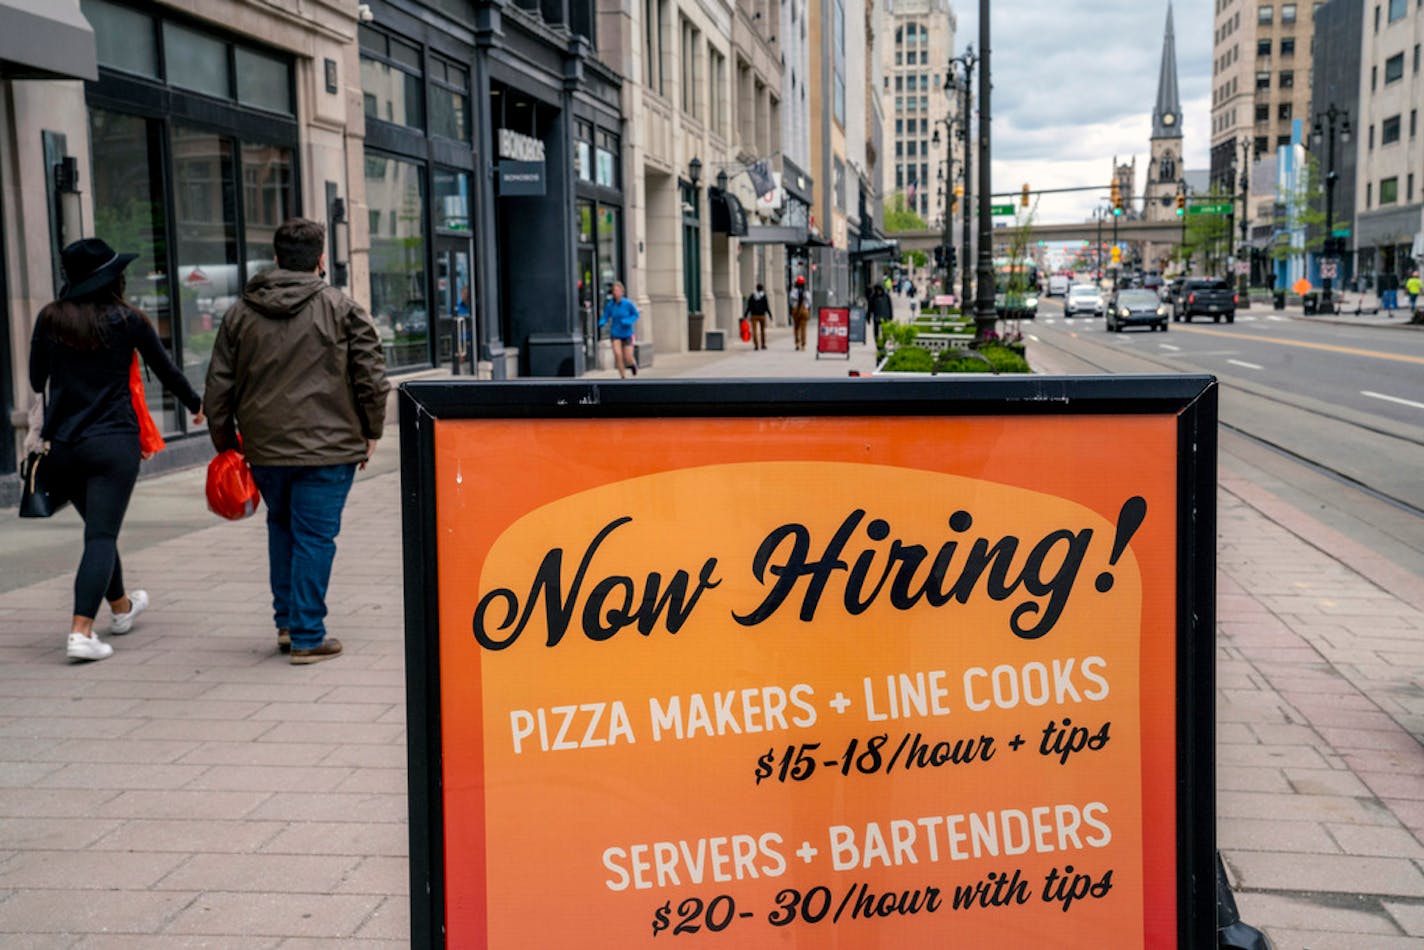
284	640
330	649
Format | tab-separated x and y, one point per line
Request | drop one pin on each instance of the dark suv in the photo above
1205	298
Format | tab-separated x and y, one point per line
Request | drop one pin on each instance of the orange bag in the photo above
232	493
150	440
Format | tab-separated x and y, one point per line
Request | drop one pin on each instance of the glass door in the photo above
588	300
454	306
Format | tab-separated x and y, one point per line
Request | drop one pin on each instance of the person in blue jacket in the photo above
620	314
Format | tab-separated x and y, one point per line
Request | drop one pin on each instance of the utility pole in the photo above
984	316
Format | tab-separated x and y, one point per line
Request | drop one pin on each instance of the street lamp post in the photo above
946	240
1330	115
1248	159
984	316
1098	247
965	82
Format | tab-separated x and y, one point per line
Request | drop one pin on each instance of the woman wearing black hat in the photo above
83	347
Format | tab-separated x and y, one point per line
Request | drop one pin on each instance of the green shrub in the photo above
1000	359
901	334
910	359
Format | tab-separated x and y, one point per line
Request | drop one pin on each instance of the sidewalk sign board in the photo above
797	664
857	324
833	331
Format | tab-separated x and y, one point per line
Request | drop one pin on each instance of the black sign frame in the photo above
1192	399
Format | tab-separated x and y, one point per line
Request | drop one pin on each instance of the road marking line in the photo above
1276	318
1168	346
1033	338
1327	347
1402	402
1245	364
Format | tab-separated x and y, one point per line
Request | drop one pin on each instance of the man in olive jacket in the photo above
297	367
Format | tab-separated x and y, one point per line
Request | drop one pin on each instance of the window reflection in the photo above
129	214
397	202
206	241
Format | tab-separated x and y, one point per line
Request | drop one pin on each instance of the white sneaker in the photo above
138	603
82	647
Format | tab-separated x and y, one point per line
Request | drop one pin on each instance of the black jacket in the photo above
89	389
758	305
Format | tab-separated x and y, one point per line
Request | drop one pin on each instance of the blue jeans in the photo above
304	505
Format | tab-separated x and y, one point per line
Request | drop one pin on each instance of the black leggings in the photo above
98	475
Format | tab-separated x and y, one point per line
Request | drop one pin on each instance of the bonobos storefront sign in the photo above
855	664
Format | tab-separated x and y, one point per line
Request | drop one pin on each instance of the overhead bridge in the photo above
1157	232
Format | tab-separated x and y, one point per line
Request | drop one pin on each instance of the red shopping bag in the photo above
232	493
150	440
746	330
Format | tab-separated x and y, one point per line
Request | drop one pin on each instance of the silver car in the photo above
1083	298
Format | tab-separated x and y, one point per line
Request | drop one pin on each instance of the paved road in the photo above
1342	405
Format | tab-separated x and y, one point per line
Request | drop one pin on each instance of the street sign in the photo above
643	695
1243	267
1340	232
1223	208
1329	269
999	210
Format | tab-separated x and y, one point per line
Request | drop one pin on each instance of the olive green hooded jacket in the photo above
297	369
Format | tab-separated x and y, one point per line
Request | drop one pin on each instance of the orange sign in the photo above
1301	286
807	681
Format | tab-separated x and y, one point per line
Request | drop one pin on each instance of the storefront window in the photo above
266	200
449	100
205	241
125	38
129	214
263	81
585	222
195	61
609	268
583	150
391	79
452	200
607	160
398	305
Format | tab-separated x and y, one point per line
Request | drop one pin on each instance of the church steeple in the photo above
1167	115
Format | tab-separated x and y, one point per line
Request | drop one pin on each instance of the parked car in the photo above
1136	307
1083	298
1205	297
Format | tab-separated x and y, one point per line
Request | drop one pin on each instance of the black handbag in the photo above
38	496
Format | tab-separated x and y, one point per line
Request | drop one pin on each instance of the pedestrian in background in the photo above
298	370
757	308
800	306
621	314
83	347
1389	291
1412	287
881	310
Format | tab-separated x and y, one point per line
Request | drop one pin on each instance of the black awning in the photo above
875	249
728	217
41	39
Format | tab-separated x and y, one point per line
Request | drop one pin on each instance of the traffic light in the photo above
959	191
1116	254
949	256
1024	200
1181	205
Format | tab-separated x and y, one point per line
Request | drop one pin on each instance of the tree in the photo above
1300	220
915	259
1207	235
899	217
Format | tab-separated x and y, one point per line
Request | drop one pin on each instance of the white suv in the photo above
1083	298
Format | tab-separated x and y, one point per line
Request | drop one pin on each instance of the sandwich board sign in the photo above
854	663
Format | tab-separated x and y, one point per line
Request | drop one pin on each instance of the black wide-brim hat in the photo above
90	264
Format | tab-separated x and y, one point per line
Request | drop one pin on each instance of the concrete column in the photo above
666	310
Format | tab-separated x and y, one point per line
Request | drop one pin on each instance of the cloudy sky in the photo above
1075	82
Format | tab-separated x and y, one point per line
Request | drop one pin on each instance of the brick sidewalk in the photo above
195	790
